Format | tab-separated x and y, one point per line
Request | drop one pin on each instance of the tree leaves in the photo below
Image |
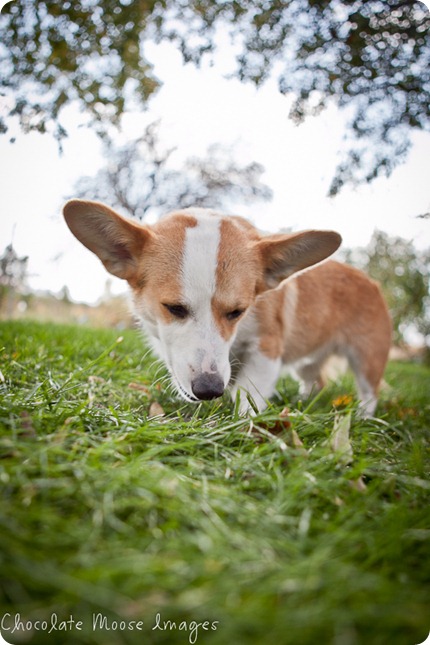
139	178
53	53
404	275
370	56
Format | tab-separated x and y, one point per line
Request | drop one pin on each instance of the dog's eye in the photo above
179	311
236	313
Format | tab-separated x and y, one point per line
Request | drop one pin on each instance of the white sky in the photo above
199	107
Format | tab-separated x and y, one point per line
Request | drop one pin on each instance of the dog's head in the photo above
194	275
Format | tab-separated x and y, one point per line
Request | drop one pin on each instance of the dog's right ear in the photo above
118	242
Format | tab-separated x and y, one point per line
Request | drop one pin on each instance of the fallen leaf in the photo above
281	425
155	410
295	440
285	414
96	379
339	439
140	387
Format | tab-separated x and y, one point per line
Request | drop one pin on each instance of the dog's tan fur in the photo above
295	320
333	305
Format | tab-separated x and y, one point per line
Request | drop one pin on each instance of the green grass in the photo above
192	516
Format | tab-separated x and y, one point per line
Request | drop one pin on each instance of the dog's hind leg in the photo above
367	395
368	368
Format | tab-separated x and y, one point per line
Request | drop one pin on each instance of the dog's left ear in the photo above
283	255
117	241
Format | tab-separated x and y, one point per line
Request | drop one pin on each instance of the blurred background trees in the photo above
369	57
13	274
139	178
404	275
89	52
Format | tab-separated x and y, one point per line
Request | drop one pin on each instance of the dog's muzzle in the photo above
207	386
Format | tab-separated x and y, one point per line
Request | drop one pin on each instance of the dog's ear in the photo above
118	242
283	255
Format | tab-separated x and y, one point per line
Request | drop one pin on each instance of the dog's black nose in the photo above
207	386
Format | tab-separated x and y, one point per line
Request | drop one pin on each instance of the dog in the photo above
226	307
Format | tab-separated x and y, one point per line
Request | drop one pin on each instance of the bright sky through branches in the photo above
199	107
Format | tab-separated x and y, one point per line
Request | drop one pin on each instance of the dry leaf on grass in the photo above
281	424
295	440
140	387
96	379
155	410
339	439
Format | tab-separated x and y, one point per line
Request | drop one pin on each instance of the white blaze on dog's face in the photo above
193	276
201	282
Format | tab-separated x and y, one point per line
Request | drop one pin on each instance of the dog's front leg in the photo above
257	378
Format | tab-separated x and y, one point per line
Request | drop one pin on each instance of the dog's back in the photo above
330	309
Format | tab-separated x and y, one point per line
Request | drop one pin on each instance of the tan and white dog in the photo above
213	298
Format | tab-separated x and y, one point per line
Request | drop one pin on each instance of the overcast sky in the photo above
199	107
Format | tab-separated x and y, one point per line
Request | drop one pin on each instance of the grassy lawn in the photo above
118	527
